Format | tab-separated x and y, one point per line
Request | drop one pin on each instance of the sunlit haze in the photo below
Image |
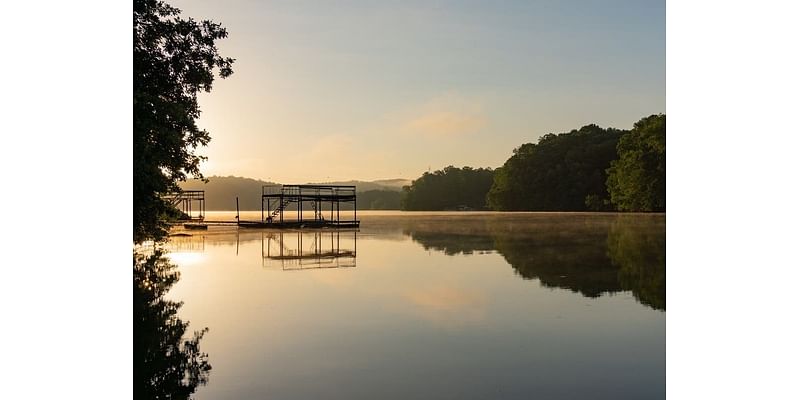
326	91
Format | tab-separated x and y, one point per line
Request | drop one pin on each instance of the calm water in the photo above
441	305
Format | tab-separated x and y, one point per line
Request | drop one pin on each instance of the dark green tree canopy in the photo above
637	180
449	189
173	59
564	172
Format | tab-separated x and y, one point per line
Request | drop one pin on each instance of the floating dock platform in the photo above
324	201
306	224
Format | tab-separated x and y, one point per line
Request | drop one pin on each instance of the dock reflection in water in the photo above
309	250
186	244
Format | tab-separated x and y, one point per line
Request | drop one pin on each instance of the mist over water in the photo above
431	305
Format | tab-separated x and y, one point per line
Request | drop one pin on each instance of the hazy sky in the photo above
335	90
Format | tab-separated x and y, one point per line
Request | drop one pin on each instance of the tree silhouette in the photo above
173	59
449	189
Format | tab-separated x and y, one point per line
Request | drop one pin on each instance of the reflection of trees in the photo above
453	243
565	255
639	250
165	366
449	235
590	255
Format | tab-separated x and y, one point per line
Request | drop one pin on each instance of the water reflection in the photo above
453	243
443	323
639	250
165	364
186	243
309	249
590	256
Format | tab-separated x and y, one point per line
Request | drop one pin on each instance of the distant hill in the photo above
398	183
221	192
383	184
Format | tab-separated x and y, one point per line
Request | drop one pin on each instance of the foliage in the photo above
564	172
449	189
637	180
173	59
165	366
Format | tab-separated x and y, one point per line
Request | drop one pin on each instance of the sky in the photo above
366	90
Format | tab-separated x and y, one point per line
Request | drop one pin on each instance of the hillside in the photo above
384	184
394	183
221	192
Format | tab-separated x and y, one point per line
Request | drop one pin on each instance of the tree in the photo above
173	59
448	189
564	172
637	181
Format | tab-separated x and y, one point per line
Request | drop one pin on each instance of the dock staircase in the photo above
281	196
191	203
279	209
317	213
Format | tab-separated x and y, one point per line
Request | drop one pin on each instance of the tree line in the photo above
449	189
586	169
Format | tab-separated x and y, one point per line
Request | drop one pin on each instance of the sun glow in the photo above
185	258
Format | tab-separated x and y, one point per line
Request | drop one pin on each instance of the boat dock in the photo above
323	201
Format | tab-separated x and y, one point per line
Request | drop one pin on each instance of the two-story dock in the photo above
323	202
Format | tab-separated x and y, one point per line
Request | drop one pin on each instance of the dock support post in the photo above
237	210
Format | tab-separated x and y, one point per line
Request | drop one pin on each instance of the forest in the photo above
586	169
449	189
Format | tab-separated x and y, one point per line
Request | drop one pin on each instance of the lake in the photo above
430	305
